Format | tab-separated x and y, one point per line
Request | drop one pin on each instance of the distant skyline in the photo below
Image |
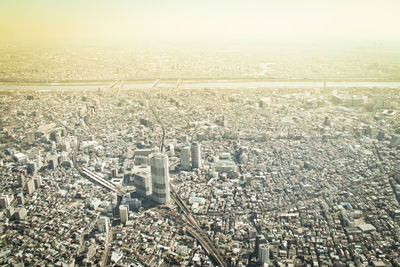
96	21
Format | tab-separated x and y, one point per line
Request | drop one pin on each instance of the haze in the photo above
121	21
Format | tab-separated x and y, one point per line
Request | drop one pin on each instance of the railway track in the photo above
194	229
200	236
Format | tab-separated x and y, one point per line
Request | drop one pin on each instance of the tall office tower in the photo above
102	224
123	214
263	254
142	181
30	186
185	158
196	155
160	178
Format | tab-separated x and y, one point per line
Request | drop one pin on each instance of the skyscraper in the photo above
123	214
263	254
185	158
30	186
160	178
196	155
102	224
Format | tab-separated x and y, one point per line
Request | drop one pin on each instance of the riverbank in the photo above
198	84
190	81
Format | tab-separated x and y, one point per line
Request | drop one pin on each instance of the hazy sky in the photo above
126	20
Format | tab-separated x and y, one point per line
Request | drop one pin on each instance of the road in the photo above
191	223
104	259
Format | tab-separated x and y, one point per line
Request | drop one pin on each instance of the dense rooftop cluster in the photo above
310	176
240	61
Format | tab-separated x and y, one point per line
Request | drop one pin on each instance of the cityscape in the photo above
225	134
247	176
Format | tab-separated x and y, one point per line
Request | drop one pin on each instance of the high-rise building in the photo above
142	180
160	178
102	224
30	186
123	214
141	160
196	155
263	254
185	158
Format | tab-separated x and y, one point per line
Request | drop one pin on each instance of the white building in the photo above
263	254
160	178
123	214
185	158
103	224
30	186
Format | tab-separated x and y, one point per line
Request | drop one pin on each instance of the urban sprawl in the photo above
200	177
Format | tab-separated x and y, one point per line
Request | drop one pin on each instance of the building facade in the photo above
196	155
160	178
185	158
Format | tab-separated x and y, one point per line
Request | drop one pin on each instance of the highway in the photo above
104	258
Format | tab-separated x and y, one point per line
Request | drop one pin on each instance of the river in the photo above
214	84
